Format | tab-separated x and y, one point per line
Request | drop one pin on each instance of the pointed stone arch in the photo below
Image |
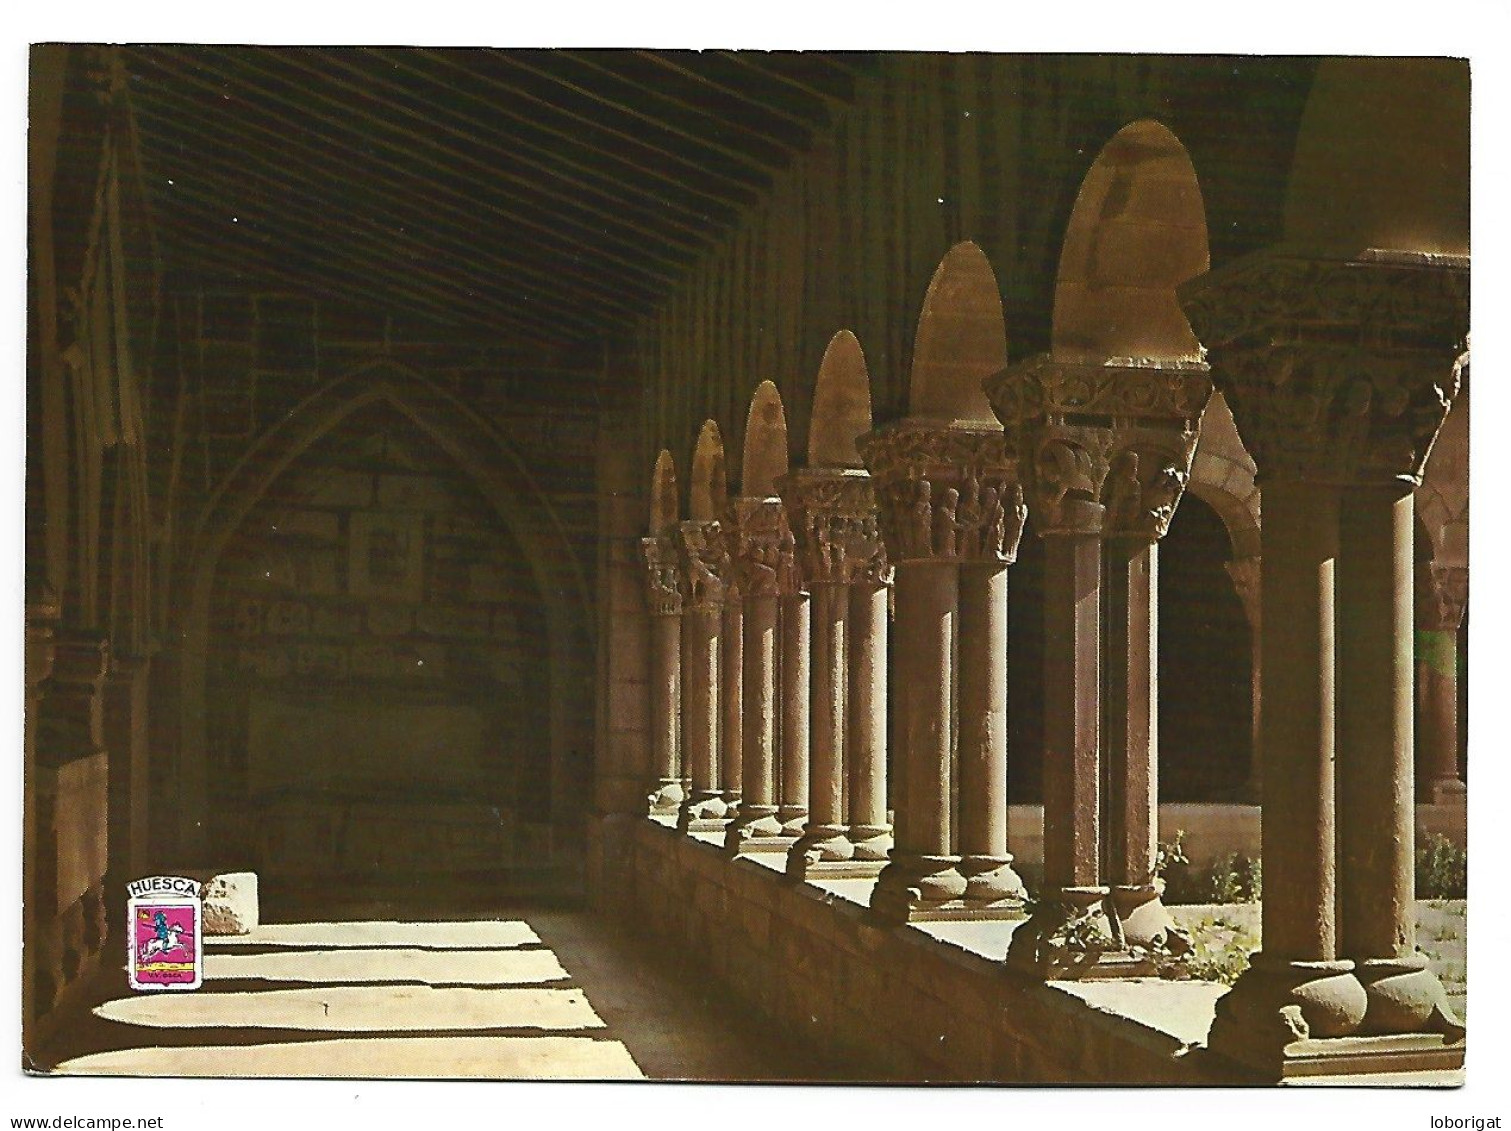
708	483
764	456
486	458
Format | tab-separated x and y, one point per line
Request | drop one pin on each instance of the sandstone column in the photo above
834	513
702	619
1105	451
981	729
866	715
1339	383
948	495
731	699
757	525
664	601
663	598
1443	594
1245	575
794	635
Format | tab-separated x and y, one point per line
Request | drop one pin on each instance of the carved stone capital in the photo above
1106	449
833	515
1337	371
1245	573
946	493
704	562
73	720
1442	595
761	547
663	593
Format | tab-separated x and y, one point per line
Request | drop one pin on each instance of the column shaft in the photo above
926	602
1296	730
731	701
1374	736
666	696
1072	698
826	786
758	724
796	680
866	721
981	721
1130	715
1438	695
700	707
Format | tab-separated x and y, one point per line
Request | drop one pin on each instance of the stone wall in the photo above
377	684
896	999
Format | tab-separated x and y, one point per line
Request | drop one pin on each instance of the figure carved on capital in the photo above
1442	596
1146	480
762	551
663	592
1070	464
704	563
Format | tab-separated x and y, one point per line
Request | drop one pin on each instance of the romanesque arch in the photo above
484	458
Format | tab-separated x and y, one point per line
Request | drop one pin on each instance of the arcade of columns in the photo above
770	610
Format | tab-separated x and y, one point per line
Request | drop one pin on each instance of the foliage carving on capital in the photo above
1066	476
833	513
946	493
704	562
1337	371
663	591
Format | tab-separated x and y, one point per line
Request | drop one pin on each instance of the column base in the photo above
911	887
819	844
667	797
873	843
1145	921
753	825
990	881
702	812
1405	996
1070	937
1288	1020
794	820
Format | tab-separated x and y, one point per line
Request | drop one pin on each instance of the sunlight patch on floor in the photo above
400	964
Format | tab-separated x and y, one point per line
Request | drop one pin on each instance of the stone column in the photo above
1245	575
731	699
1443	593
866	715
1106	453
948	495
1339	374
126	686
700	546
796	680
833	514
989	541
664	602
757	527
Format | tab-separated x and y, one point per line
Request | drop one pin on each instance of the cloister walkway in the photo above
540	995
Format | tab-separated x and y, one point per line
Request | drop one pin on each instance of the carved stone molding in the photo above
761	548
1442	595
833	515
704	562
1337	371
663	591
943	493
1107	448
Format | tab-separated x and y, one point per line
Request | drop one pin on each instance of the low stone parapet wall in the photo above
924	1002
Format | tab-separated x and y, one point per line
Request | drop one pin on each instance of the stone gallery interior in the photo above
749	566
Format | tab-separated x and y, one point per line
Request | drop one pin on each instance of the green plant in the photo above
1442	870
1233	878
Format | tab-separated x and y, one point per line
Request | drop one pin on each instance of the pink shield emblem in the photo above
165	943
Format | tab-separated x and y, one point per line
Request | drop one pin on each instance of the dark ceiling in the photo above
551	196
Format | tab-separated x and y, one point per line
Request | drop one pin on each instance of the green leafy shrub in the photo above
1233	878
1442	869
